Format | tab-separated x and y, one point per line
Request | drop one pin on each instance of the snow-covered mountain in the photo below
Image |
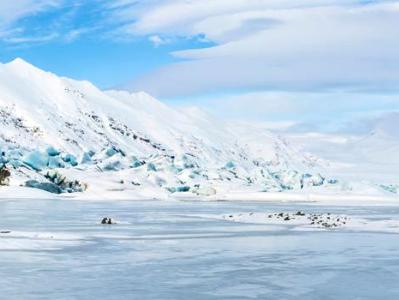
114	141
368	151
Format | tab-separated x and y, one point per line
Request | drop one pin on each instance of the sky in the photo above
319	63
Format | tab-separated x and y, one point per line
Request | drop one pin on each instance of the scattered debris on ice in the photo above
322	220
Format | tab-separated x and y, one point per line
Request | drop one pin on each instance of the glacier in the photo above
120	145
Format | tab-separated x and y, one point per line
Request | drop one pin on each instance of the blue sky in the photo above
71	38
270	60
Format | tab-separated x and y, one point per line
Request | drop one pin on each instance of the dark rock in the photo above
108	221
4	175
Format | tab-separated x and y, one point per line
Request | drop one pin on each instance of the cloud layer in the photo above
279	45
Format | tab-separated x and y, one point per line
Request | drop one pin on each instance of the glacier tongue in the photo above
117	141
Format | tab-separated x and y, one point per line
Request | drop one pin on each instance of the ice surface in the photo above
181	250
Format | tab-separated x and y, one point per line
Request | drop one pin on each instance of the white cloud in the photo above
157	41
189	17
269	44
74	34
31	39
11	11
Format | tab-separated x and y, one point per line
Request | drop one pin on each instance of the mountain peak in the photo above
21	64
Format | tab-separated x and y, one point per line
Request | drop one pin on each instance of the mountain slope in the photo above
119	141
366	152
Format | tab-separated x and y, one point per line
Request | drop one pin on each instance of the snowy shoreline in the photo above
25	193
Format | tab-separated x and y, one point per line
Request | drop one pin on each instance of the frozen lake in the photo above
176	250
